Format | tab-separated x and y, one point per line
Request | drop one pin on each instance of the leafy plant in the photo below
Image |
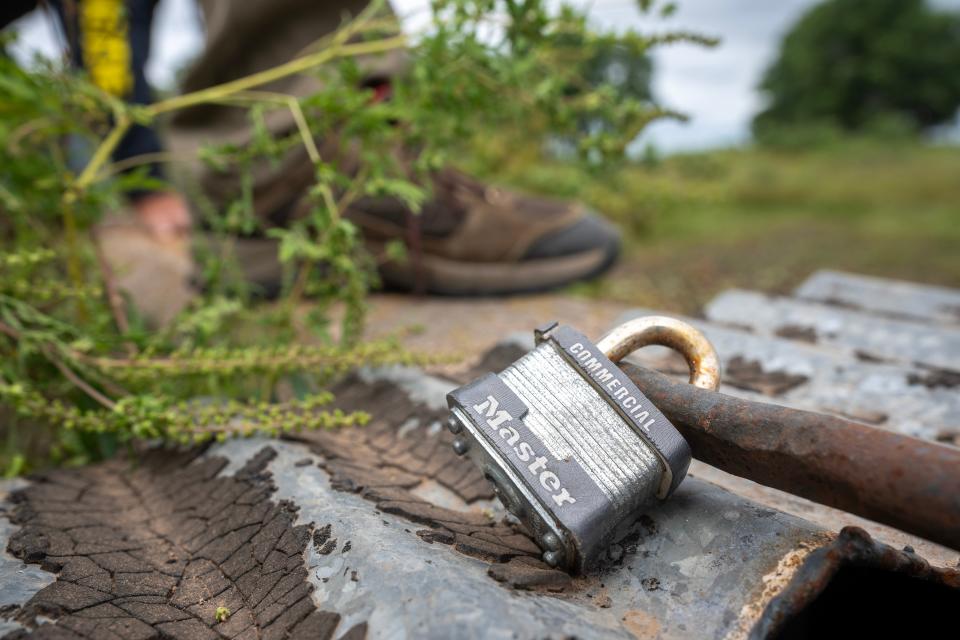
77	362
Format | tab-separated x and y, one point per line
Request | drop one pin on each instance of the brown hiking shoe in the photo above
470	239
475	239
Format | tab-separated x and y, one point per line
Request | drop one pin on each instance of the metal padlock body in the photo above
571	445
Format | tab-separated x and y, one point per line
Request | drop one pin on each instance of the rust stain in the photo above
678	335
641	624
771	585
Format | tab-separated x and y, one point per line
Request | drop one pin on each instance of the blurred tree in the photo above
628	71
618	72
853	64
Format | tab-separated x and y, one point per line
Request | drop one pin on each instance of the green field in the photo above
763	219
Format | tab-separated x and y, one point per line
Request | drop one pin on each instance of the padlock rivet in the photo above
460	446
552	558
551	541
454	425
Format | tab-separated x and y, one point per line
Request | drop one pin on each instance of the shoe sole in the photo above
442	276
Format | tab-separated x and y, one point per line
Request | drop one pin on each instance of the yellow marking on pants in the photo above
106	46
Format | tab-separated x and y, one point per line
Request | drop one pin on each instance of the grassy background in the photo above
763	219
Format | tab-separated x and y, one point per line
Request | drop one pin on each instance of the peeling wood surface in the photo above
882	296
883	394
154	551
846	330
377	554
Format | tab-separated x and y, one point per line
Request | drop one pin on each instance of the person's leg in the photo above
146	244
165	213
470	239
110	40
253	35
243	38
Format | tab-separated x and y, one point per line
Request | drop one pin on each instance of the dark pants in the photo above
110	39
243	37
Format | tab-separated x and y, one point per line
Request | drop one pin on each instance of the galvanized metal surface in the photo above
694	568
823	516
883	296
849	331
18	581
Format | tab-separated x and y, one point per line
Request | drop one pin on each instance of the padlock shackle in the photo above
687	340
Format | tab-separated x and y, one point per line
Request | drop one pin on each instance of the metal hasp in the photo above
910	484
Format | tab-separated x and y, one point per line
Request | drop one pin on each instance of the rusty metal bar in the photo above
904	482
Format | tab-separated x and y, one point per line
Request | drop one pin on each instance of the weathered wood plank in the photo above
772	369
856	333
895	298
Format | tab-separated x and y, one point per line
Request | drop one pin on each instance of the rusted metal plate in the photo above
166	548
856	333
704	564
693	565
412	569
405	542
18	581
882	296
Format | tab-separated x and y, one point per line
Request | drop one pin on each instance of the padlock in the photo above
573	448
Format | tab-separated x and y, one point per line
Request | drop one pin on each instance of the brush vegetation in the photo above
82	375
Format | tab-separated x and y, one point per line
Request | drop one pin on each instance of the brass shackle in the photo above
700	355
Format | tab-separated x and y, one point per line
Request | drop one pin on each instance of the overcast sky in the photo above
716	87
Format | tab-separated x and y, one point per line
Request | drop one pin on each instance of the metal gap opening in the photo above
857	587
874	603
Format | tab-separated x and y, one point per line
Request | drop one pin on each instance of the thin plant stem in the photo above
276	73
79	382
74	268
296	111
67	372
112	293
100	156
135	161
